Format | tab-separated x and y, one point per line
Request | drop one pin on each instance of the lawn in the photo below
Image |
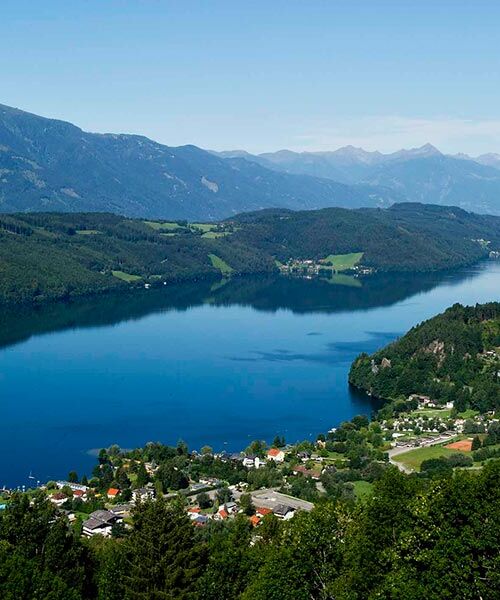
88	231
212	235
342	262
126	276
167	226
432	413
362	489
218	263
204	226
414	458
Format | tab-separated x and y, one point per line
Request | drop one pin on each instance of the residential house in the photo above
282	511
249	461
306	472
231	507
58	498
200	520
254	520
276	454
122	510
100	522
142	494
113	493
221	514
72	486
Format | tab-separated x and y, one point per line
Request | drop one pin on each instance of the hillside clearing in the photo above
128	277
218	263
343	262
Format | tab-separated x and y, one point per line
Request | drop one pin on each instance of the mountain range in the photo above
420	175
52	165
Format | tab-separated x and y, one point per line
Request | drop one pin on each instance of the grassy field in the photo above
126	276
414	458
431	413
342	262
88	231
218	263
362	489
205	227
167	226
213	235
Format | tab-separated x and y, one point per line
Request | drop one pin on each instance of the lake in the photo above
210	363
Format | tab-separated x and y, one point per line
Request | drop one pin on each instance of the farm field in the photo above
414	458
343	262
128	277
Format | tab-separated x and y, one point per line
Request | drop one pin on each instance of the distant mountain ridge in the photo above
419	174
51	165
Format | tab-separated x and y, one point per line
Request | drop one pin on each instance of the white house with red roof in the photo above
113	493
276	454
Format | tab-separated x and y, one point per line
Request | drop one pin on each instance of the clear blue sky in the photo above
261	75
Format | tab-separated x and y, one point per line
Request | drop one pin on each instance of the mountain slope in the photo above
442	179
52	165
454	356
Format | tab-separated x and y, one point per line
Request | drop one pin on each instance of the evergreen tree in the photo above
163	559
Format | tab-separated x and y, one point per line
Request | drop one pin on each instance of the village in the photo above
206	500
263	482
324	268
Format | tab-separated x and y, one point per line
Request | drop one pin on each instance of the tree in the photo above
163	559
279	442
43	556
476	443
246	504
207	450
203	500
73	477
224	495
142	476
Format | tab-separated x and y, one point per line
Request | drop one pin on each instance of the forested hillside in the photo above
412	539
454	356
406	237
47	256
59	255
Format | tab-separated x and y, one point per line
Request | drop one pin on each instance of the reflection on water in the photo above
268	293
218	363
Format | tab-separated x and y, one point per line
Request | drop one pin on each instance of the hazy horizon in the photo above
302	76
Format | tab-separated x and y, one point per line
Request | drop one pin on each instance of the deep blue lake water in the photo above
218	364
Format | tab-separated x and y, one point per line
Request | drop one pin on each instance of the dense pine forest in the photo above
47	256
453	357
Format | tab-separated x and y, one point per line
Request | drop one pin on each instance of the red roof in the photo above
194	509
255	520
263	511
78	493
223	514
274	451
113	492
